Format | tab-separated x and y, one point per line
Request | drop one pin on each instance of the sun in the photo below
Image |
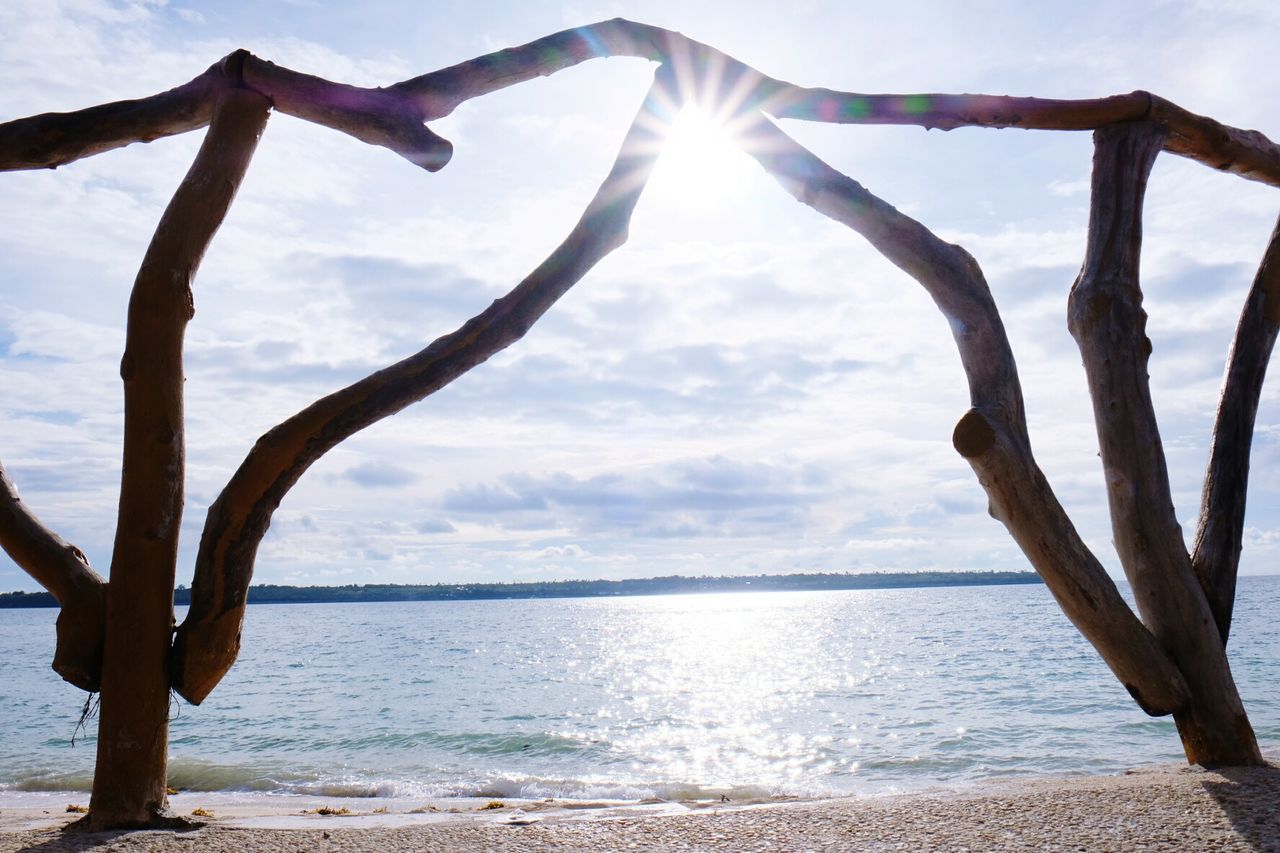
700	166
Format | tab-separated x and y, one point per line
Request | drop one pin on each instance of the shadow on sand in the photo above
1250	798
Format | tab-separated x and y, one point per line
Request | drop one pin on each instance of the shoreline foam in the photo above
1169	807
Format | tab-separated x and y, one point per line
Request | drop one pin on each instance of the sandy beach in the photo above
1159	808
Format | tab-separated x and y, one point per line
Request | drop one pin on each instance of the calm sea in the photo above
747	694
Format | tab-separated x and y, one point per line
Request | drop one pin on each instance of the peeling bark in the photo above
208	641
1107	321
1219	534
64	571
129	783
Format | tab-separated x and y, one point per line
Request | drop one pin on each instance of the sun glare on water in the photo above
700	166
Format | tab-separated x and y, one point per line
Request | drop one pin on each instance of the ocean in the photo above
744	695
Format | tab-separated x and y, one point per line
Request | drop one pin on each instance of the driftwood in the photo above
1171	658
1216	555
208	641
1106	318
392	117
133	730
64	571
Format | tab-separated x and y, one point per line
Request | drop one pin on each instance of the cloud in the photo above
379	475
743	386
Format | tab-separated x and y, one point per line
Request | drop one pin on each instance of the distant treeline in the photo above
673	585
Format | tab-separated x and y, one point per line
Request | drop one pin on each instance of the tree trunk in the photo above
133	733
1108	322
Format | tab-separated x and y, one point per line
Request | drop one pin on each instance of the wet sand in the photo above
1160	808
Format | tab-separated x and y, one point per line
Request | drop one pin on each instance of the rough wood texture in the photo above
208	640
1216	554
50	140
394	116
1106	318
129	783
64	571
1247	153
993	435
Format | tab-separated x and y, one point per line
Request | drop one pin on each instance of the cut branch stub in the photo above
1216	554
381	117
1022	500
129	786
1106	318
64	571
208	640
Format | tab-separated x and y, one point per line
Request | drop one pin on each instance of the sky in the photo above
745	387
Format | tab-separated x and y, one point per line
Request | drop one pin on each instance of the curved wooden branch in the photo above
64	571
375	116
1216	554
993	435
135	687
208	640
383	117
1021	498
1247	153
394	117
50	140
1106	318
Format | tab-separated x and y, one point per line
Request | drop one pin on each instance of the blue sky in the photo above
744	387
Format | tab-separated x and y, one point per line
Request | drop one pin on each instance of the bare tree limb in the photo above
1247	153
208	640
382	117
376	116
133	730
1021	498
64	571
1216	554
993	435
1106	318
394	117
50	140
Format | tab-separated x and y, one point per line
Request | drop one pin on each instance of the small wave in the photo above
38	781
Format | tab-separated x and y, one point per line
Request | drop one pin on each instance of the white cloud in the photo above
743	387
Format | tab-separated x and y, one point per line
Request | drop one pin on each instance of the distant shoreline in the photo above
672	585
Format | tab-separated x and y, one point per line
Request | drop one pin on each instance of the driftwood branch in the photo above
135	690
1107	320
394	117
375	116
208	640
50	140
1247	153
64	571
993	435
1216	554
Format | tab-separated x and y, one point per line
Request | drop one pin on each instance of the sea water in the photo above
747	695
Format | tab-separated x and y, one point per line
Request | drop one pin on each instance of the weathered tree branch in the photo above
1216	554
64	571
1107	321
50	140
133	737
208	640
1247	153
375	116
382	117
394	117
993	435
